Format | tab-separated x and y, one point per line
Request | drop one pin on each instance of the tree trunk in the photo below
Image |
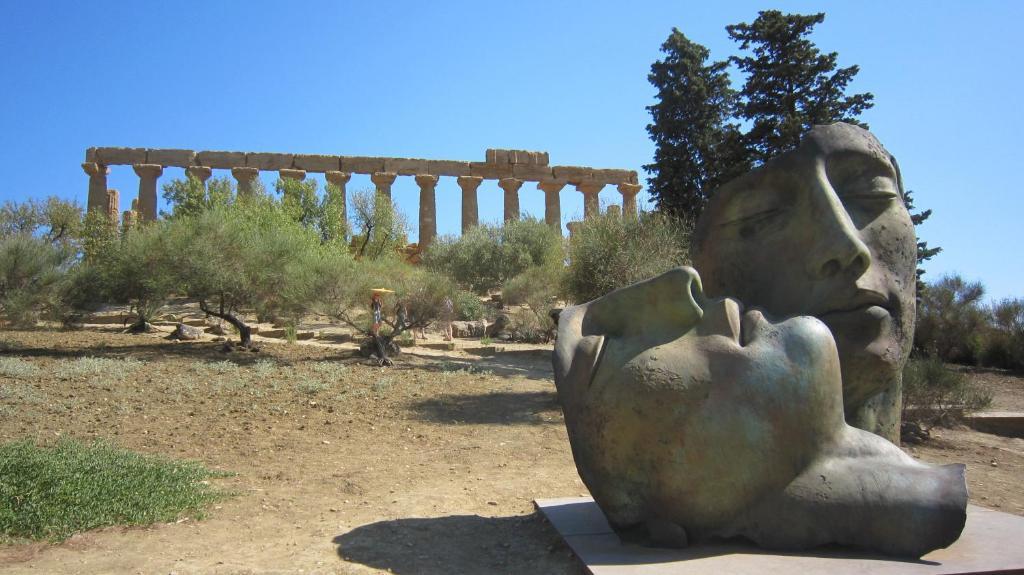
244	331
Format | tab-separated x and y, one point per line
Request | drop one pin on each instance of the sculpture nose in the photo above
838	248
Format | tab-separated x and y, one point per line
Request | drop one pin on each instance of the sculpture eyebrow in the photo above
839	164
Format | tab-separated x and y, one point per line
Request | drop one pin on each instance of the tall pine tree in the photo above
790	85
697	147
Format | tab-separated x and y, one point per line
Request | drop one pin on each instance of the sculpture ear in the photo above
660	305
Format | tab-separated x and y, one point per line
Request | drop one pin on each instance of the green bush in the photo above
33	271
487	256
190	196
379	228
1003	344
951	320
934	394
537	289
55	492
607	252
469	307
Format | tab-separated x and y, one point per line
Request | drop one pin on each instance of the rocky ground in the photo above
341	466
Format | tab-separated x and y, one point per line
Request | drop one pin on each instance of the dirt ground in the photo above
341	466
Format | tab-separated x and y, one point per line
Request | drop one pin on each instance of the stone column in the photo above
339	180
97	198
201	173
470	213
629	192
591	206
428	209
383	181
297	175
552	203
245	178
511	187
113	207
572	227
148	173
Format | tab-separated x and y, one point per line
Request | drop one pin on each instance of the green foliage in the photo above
487	256
469	307
934	394
789	87
248	255
346	291
951	320
140	270
32	274
190	196
537	289
1004	340
54	219
697	146
54	492
99	237
379	229
608	252
299	201
333	224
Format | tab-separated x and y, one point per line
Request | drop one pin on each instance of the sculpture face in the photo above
740	387
823	231
691	418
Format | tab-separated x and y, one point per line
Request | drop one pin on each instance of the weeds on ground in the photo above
17	368
54	492
109	368
310	387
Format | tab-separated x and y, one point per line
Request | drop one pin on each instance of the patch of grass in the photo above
330	370
381	385
54	492
20	393
17	368
310	387
219	367
264	368
92	366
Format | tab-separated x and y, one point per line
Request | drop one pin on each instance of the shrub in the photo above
469	307
32	273
1003	344
951	320
537	289
190	196
54	492
487	256
607	252
934	394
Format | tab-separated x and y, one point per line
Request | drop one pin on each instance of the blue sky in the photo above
446	80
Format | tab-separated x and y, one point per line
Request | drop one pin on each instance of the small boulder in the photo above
186	333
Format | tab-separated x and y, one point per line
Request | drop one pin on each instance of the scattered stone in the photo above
499	327
469	328
186	332
216	329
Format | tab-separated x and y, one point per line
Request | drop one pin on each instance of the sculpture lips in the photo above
863	300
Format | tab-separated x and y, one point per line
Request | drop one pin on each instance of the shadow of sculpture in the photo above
508	408
458	544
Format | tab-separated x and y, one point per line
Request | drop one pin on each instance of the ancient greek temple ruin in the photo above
511	169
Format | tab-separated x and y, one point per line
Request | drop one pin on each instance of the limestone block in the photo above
118	156
490	171
405	166
489	156
531	172
500	157
317	163
297	175
90	155
447	168
573	173
614	176
362	164
522	157
172	158
221	160
542	158
269	161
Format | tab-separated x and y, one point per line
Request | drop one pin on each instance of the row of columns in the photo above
149	173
